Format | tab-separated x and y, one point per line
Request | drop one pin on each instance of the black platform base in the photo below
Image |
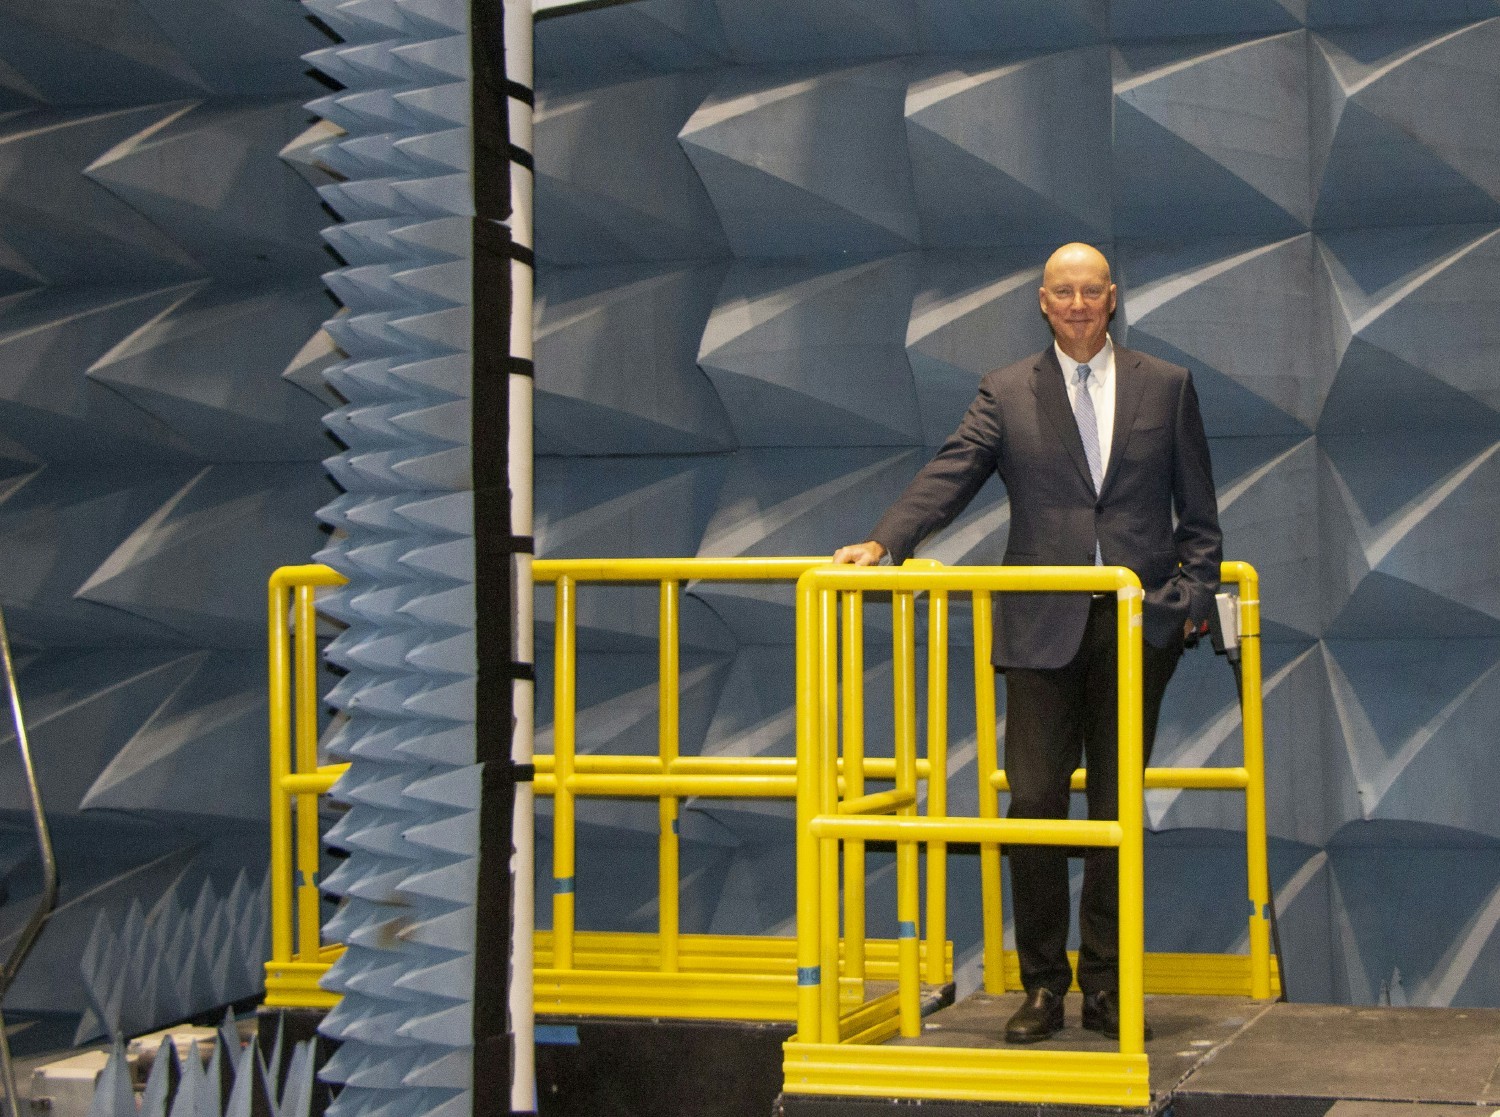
1228	1057
618	1067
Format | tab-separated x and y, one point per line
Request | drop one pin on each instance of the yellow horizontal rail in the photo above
967	1074
1181	975
875	1021
875	767
877	803
1006	579
739	977
766	954
779	569
711	956
313	574
296	984
751	776
316	783
655	786
1204	779
1007	831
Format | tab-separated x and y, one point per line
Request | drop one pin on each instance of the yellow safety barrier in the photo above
820	1059
299	958
1252	975
822	979
733	977
668	973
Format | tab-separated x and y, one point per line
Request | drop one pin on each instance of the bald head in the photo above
1078	298
1071	257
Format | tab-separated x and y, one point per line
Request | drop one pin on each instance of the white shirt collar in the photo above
1101	364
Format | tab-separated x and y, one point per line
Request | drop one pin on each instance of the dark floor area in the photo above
1186	1030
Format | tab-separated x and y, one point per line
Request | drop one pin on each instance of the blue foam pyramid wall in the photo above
1299	200
402	532
158	280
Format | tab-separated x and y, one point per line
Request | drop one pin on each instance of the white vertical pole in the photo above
518	72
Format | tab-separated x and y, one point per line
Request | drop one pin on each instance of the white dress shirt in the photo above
1101	390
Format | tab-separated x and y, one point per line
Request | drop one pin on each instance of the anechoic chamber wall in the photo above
778	244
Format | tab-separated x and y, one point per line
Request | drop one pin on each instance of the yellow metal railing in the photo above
1253	974
299	958
740	977
820	1059
819	979
671	973
817	1058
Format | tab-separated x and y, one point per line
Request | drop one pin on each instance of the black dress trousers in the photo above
1054	718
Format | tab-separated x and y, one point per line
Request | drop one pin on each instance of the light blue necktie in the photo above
1088	426
1088	430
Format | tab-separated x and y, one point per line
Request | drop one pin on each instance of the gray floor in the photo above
1447	1055
1372	1062
1400	1109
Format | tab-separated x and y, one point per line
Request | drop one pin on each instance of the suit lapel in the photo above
1052	399
1129	384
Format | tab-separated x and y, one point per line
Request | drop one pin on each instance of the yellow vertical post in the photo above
1253	726
987	762
1132	824
564	745
280	701
809	1024
854	779
904	682
937	783
309	842
669	850
828	794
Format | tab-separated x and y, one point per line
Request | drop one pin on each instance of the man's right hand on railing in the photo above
868	553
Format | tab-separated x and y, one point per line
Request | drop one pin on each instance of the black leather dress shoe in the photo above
1101	1013
1041	1016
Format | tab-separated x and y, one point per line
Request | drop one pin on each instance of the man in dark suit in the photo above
1103	456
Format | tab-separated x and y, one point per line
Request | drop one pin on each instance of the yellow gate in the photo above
828	1055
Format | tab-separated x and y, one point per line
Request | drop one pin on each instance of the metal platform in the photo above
1340	1060
1234	1057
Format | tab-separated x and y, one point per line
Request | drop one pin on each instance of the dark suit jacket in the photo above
1021	426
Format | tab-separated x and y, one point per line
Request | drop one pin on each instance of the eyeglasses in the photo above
1092	294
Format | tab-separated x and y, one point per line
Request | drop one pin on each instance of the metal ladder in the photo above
48	900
